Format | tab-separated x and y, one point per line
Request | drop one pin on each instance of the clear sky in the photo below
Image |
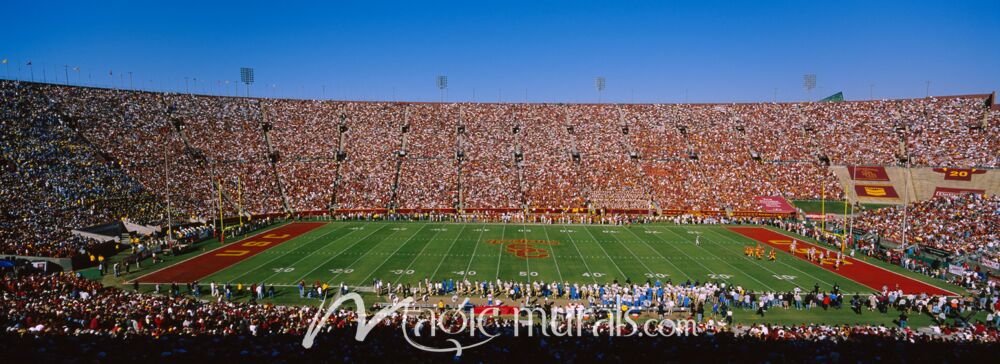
648	51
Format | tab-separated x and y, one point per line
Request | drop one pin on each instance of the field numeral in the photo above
439	229
567	231
401	272
398	229
720	276
784	277
283	270
342	270
358	228
652	232
528	274
524	230
464	273
657	275
609	231
594	274
481	230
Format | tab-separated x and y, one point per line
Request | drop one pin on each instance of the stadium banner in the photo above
959	174
828	217
495	310
956	269
774	204
948	191
875	191
989	264
868	173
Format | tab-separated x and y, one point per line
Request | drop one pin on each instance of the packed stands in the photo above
272	156
962	224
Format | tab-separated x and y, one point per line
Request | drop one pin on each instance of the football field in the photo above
356	253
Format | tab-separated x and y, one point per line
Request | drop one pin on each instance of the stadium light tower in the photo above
442	83
600	83
809	82
246	76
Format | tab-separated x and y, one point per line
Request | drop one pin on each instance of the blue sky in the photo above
704	51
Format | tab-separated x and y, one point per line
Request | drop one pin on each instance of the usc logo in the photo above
525	248
867	173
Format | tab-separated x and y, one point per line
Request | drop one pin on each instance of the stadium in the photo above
165	223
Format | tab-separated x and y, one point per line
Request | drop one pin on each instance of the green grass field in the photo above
356	253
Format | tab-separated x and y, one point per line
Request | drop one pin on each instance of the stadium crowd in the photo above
143	148
964	224
52	181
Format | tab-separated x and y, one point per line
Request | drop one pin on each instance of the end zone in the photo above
218	259
858	270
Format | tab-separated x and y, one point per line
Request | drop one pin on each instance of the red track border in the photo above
227	255
857	270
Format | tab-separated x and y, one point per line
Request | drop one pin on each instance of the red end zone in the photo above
227	255
853	269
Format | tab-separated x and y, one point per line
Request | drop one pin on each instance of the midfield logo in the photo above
525	248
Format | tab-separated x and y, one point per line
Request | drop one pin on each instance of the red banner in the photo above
774	204
495	310
947	191
959	174
868	173
875	191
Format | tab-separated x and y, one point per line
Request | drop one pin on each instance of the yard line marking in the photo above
236	279
473	255
769	288
661	256
318	266
503	231
527	262
606	255
754	261
582	258
383	261
633	253
408	266
783	263
445	256
694	259
554	260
